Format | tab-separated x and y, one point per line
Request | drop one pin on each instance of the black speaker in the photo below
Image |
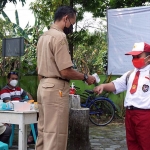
13	47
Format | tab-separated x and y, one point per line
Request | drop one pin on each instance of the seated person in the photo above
5	132
12	92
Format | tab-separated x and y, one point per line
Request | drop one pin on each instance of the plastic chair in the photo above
13	130
3	146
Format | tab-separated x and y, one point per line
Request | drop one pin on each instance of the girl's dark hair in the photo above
9	74
63	11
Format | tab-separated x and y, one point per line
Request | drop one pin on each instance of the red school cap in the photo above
138	48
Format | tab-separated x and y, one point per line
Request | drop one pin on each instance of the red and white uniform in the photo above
137	120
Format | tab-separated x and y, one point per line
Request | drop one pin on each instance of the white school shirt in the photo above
141	98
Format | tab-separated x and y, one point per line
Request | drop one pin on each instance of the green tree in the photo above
30	34
126	3
5	32
44	9
92	58
4	2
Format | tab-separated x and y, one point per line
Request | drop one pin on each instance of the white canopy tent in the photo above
126	26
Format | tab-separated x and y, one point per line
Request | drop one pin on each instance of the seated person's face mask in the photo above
13	83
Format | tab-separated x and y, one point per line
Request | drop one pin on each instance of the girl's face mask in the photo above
139	62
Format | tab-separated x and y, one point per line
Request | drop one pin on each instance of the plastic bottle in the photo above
35	105
10	105
32	106
31	102
72	89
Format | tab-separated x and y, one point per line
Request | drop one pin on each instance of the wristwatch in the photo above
85	77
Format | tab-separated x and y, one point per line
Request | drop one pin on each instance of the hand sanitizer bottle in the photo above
72	89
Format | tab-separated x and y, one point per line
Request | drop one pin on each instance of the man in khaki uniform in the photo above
55	68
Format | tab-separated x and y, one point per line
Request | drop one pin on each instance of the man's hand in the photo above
72	74
91	80
99	89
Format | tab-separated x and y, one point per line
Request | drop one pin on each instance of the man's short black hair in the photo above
63	11
9	74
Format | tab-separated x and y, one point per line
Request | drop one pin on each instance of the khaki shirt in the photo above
2	128
53	53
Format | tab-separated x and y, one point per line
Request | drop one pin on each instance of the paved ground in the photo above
110	137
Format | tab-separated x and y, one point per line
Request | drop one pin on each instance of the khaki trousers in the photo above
53	114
